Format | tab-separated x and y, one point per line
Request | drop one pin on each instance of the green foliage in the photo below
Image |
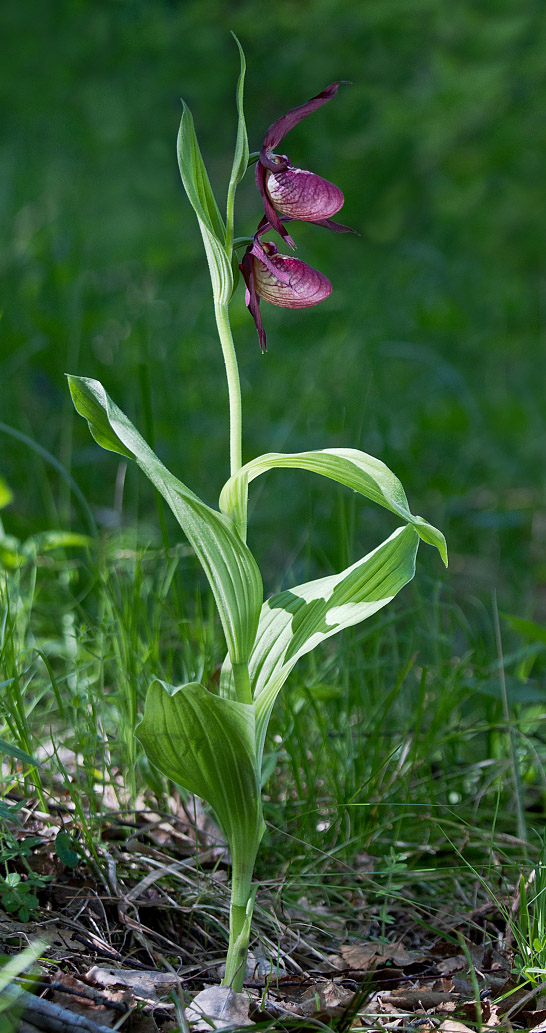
17	897
362	473
9	750
427	356
208	745
199	191
529	926
6	494
64	848
229	565
11	986
18	894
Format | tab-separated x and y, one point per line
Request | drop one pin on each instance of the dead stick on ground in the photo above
54	1019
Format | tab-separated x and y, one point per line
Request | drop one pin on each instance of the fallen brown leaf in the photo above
410	1000
218	1007
361	956
452	1026
327	997
449	965
148	986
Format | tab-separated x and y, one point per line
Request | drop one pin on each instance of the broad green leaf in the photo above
293	622
229	565
357	470
208	745
64	848
197	186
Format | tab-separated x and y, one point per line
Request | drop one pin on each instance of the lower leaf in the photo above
208	745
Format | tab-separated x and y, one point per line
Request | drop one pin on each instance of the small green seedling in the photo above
18	897
529	930
213	744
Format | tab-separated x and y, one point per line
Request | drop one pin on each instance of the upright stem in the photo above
243	895
234	387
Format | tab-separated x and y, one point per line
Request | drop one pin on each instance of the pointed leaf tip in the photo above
228	563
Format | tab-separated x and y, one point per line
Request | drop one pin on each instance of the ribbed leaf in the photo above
229	565
207	744
197	186
293	622
357	470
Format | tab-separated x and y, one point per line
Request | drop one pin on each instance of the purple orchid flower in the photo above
279	279
290	191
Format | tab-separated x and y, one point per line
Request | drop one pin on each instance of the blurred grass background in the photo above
430	352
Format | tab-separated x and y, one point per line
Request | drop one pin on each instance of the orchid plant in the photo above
212	744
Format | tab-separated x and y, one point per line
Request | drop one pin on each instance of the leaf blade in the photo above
240	157
229	565
349	466
207	744
201	197
293	622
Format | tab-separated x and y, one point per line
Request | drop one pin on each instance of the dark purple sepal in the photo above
335	227
252	300
278	130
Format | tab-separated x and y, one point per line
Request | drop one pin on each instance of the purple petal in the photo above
278	130
303	195
265	253
305	287
252	300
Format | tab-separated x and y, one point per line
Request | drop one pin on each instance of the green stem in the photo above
243	895
234	387
241	678
230	220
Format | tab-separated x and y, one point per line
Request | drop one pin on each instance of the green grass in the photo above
389	741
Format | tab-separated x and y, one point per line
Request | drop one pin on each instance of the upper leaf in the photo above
208	745
357	470
197	186
228	563
240	158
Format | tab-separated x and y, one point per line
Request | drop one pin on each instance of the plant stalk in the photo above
234	387
241	678
243	895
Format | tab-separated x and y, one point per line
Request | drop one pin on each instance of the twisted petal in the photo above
303	195
282	126
252	300
289	191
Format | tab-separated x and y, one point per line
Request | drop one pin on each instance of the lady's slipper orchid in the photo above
290	191
279	279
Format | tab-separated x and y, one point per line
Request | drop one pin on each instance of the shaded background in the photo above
430	352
